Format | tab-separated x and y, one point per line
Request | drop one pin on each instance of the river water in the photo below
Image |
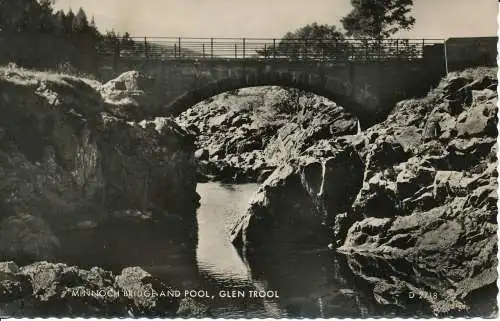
310	281
299	280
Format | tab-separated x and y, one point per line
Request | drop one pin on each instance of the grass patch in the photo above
27	77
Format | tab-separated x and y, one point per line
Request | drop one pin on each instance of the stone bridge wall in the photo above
367	89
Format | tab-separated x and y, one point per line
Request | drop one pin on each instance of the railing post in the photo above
265	51
397	48
146	54
367	48
179	47
380	50
212	48
423	45
175	50
203	50
274	48
235	51
244	45
116	54
305	49
446	57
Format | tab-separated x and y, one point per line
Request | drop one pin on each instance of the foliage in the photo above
378	18
39	37
312	40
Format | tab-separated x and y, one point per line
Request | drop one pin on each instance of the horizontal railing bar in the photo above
316	49
251	38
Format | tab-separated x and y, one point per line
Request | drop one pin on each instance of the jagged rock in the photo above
264	125
128	96
435	206
480	120
145	292
298	200
202	154
65	162
428	291
424	192
189	308
12	288
54	289
26	237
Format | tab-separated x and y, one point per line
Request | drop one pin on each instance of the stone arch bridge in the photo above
365	80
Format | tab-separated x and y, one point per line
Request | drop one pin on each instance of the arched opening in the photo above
313	83
242	135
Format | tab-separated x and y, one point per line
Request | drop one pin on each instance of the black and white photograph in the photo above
245	159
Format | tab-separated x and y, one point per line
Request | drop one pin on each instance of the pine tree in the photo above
59	21
80	22
45	12
16	16
68	22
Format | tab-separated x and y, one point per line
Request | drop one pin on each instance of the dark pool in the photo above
299	280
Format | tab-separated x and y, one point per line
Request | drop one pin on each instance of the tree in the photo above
80	22
126	42
25	15
45	15
378	19
68	22
93	32
59	20
109	42
311	41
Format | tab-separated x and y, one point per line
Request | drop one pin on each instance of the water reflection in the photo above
311	280
220	205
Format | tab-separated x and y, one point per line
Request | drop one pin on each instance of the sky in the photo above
273	18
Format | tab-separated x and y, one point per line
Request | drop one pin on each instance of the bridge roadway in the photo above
366	77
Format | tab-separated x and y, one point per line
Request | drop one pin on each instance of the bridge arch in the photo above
320	84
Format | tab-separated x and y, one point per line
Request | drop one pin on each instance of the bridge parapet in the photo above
364	76
369	50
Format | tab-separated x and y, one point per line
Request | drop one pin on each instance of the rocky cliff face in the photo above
243	135
429	192
420	187
66	162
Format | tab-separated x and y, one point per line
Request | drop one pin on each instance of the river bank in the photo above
70	165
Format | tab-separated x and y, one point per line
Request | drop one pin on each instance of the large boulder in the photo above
145	291
129	96
27	238
298	200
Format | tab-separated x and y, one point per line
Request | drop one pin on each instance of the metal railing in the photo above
168	48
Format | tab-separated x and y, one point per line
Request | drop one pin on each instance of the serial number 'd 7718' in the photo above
423	295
